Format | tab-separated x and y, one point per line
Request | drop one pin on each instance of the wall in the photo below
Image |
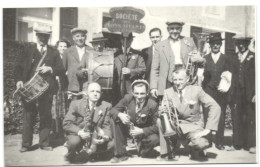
88	18
236	19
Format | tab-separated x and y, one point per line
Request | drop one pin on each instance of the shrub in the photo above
12	105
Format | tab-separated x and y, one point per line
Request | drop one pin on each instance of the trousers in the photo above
121	133
221	99
166	146
30	110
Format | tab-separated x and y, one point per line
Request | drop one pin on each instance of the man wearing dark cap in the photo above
76	56
135	115
133	69
46	61
217	68
170	54
243	95
147	53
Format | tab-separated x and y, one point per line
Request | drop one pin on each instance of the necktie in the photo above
181	97
42	50
92	111
138	107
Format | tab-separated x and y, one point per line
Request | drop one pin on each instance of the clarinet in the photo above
131	127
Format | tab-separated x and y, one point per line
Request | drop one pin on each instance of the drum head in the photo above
100	68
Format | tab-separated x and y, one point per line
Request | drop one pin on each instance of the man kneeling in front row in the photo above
135	116
184	101
87	125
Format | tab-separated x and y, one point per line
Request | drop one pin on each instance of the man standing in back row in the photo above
147	53
216	67
46	61
74	57
243	95
132	69
169	55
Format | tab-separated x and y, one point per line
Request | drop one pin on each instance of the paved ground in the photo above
46	158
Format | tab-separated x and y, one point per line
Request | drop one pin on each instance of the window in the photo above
217	12
27	17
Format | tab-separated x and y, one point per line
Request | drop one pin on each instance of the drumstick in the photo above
37	71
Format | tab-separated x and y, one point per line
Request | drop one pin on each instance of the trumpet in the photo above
169	120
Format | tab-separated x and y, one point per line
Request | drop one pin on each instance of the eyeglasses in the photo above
155	37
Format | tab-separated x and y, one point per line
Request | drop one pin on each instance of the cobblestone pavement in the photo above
38	157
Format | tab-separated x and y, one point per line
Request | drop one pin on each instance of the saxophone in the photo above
96	135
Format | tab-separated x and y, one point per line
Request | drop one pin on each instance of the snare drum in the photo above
34	88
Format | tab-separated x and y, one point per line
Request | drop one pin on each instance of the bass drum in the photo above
101	67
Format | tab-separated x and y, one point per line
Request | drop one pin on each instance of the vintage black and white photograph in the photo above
129	85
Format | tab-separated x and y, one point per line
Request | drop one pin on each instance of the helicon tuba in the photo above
192	68
169	120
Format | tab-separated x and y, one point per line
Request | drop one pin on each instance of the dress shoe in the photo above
220	147
252	150
47	148
167	158
119	159
70	156
197	155
24	149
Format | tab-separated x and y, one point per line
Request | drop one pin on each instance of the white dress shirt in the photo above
215	57
81	52
242	57
176	48
39	47
91	105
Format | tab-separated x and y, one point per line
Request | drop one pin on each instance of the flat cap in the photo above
74	30
140	81
174	22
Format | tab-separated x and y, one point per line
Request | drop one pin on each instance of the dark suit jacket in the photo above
135	63
79	113
72	63
24	70
147	54
149	111
212	71
163	63
249	75
189	114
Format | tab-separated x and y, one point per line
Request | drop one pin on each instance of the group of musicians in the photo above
159	105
